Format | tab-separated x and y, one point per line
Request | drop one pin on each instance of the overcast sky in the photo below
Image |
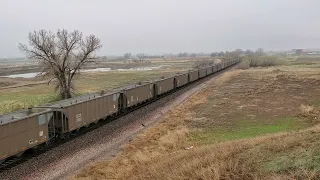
162	26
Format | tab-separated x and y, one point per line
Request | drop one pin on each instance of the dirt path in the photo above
100	144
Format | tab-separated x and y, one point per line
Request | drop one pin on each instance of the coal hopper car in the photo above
22	130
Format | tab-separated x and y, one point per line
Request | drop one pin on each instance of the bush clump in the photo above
261	61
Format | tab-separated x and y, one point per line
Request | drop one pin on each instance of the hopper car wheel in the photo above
19	154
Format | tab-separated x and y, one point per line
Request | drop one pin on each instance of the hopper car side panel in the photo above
87	112
202	73
136	95
164	86
18	136
193	75
214	68
182	79
209	70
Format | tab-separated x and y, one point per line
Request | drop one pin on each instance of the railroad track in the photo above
13	161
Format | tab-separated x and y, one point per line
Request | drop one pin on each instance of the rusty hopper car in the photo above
137	94
164	85
182	79
202	73
74	113
209	70
193	75
23	130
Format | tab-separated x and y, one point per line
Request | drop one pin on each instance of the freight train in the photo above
39	126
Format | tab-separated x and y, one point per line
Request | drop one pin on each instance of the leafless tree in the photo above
259	52
126	56
61	55
141	57
203	63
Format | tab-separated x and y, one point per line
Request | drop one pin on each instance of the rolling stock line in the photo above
42	128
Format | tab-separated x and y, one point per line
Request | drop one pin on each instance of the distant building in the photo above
306	51
311	52
298	51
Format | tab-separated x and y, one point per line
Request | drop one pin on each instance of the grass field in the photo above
22	97
36	91
249	124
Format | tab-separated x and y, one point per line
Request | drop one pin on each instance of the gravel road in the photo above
99	144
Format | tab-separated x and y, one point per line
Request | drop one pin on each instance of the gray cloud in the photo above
156	26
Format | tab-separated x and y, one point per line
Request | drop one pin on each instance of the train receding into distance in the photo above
40	126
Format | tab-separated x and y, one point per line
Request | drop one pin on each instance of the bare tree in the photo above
259	51
193	55
141	57
249	52
126	57
61	55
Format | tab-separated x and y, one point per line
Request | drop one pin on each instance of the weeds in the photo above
261	61
271	143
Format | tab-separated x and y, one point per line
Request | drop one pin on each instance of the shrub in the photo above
261	61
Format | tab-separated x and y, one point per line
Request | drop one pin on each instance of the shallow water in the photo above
32	75
96	70
25	75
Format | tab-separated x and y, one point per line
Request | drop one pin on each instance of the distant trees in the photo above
193	55
126	56
185	54
61	55
238	52
259	52
248	52
214	54
203	63
141	57
221	53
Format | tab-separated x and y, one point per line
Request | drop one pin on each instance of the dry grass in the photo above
165	137
265	97
261	61
305	110
242	159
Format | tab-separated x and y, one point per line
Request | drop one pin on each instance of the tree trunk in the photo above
65	92
65	88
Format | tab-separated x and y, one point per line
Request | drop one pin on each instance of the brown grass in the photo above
228	160
166	151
